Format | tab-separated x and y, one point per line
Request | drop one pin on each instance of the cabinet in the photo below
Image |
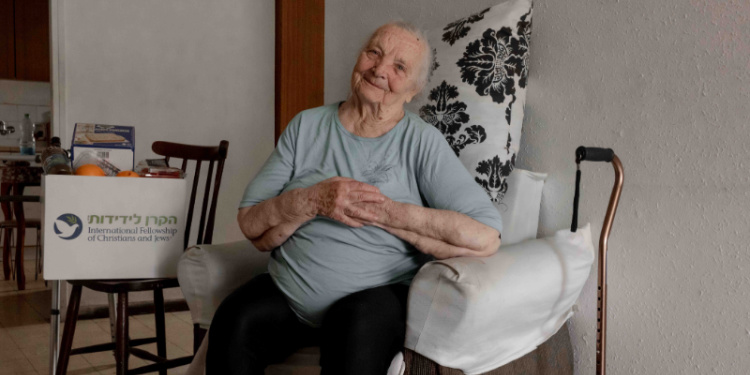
7	45
24	40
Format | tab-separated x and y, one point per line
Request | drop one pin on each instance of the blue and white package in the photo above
114	143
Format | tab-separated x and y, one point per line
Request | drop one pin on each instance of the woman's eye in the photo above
401	67
372	52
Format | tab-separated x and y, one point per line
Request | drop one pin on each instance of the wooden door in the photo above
32	40
299	58
7	41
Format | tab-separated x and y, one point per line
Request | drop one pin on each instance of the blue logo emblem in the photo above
68	226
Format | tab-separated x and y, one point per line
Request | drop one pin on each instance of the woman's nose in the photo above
379	69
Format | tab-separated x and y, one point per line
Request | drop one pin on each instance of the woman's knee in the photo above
368	311
245	309
363	331
227	318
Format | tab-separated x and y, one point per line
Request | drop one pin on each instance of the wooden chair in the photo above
15	177
123	345
7	228
19	224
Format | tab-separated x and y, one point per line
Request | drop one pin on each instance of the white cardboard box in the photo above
112	227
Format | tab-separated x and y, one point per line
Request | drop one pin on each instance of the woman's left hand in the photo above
378	214
441	233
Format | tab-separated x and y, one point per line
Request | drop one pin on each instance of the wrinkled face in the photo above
388	67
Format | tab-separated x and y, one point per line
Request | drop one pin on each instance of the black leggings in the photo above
255	327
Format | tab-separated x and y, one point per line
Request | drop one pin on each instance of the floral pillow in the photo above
477	91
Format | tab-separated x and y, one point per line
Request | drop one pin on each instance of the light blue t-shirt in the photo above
325	260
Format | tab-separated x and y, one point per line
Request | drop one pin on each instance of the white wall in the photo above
20	97
666	84
187	71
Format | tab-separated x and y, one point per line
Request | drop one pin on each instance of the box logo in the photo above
68	226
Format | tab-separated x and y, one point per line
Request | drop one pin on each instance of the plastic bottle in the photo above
27	144
55	159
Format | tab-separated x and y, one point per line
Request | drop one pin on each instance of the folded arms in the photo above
441	233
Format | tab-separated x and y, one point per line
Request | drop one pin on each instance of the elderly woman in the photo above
355	198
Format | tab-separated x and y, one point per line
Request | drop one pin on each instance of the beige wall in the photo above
666	84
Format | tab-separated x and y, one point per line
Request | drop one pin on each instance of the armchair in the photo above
500	315
497	314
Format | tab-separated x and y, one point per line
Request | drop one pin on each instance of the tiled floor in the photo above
24	333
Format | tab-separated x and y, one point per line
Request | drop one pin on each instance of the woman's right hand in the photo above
338	199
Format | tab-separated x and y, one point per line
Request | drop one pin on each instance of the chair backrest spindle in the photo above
191	208
212	211
210	154
204	207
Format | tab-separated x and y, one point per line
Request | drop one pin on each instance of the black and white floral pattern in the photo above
474	134
478	97
458	29
448	117
489	64
492	176
520	46
509	110
434	65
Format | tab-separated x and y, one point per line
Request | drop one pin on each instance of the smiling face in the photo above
388	67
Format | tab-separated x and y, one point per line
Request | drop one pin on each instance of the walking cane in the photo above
607	155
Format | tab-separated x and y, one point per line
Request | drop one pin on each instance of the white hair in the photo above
425	68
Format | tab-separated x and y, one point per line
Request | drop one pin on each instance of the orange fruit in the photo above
128	174
90	170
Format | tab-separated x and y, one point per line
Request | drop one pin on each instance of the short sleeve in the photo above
445	183
278	169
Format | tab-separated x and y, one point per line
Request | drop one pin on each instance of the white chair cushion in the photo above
477	314
520	206
208	273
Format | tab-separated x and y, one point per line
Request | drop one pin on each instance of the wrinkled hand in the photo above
347	200
381	214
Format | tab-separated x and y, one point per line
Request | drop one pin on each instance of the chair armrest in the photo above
477	314
208	273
